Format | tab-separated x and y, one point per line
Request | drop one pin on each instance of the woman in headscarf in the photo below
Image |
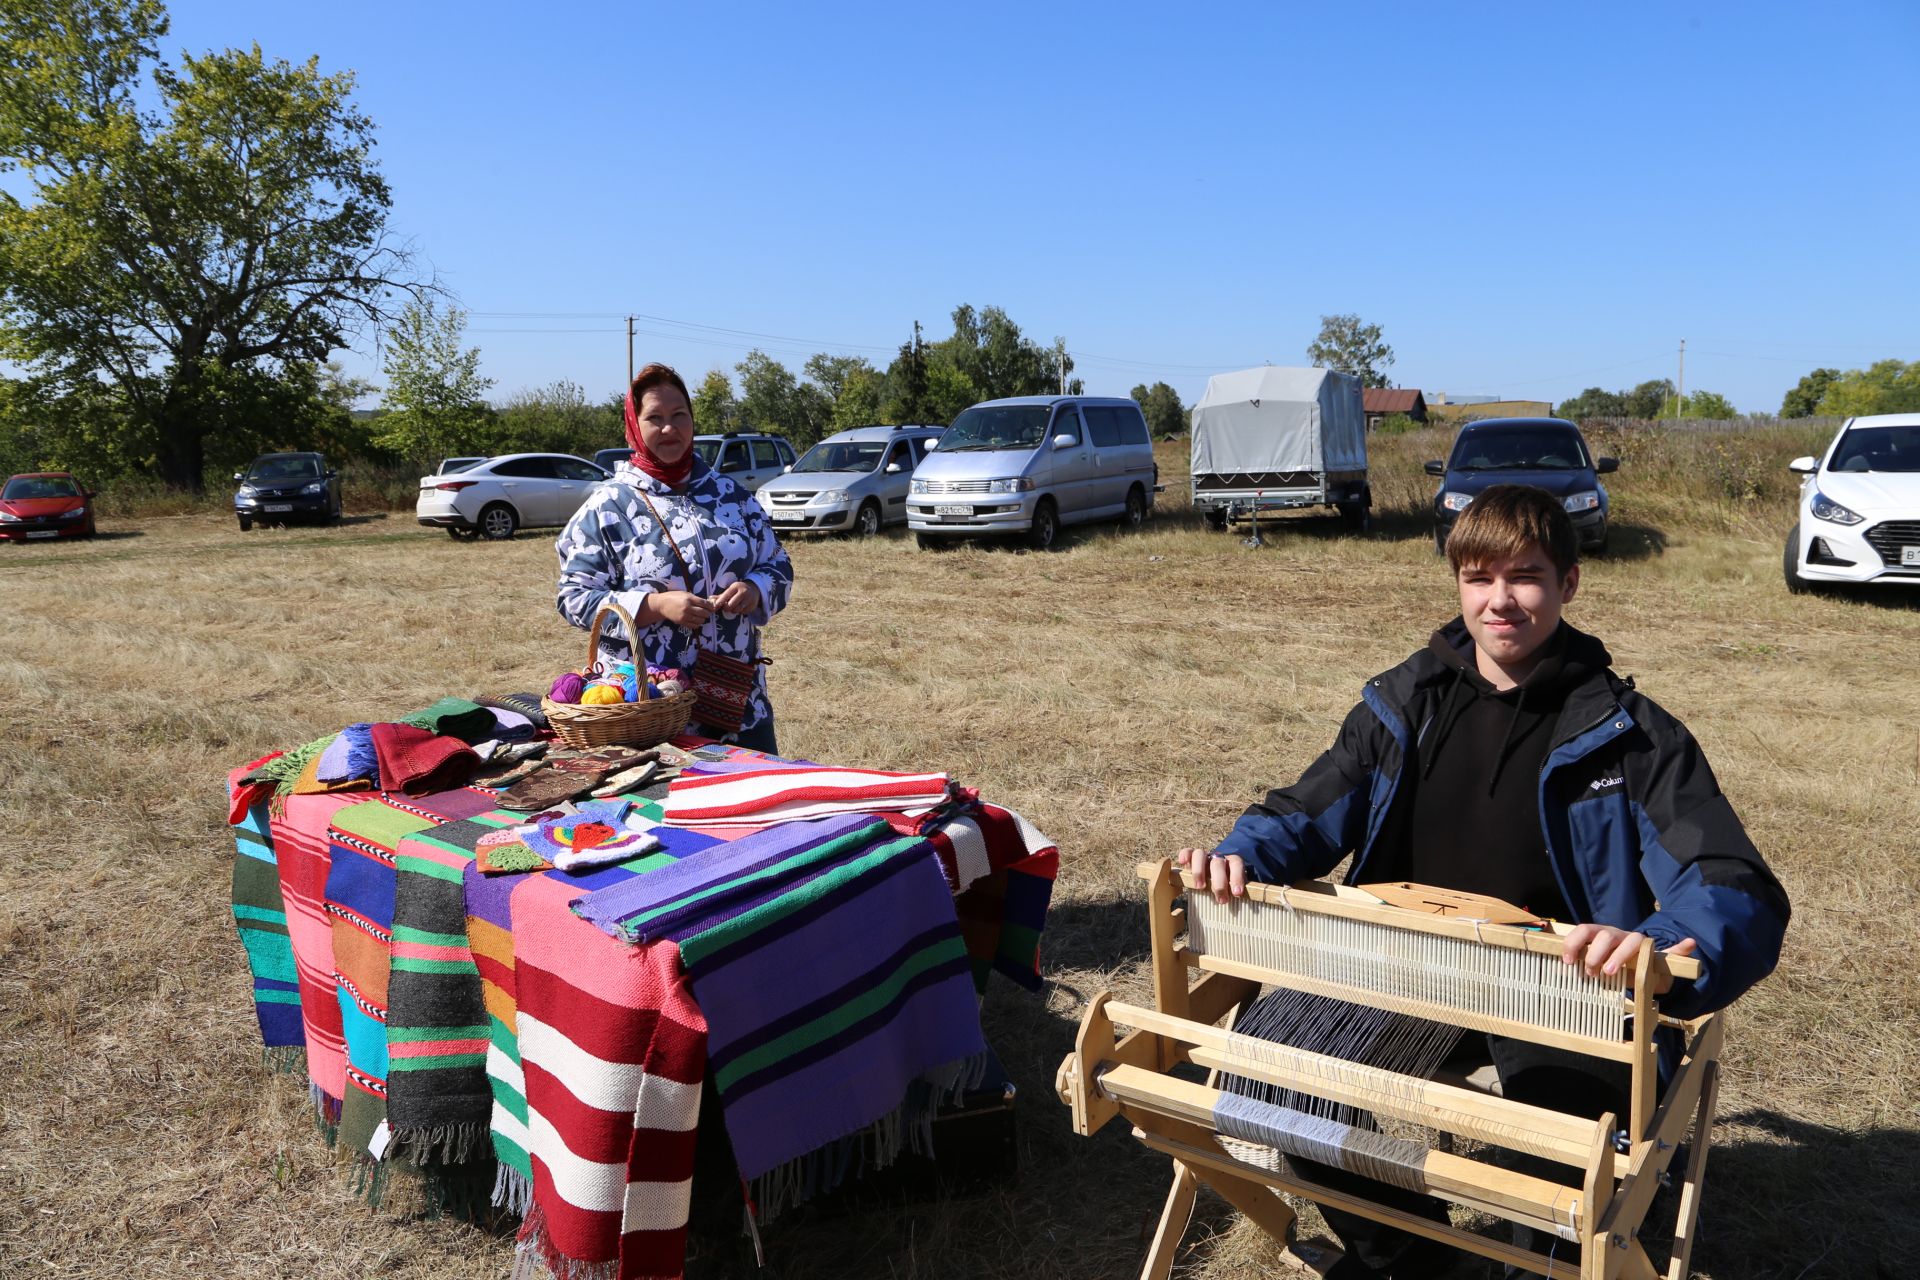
682	548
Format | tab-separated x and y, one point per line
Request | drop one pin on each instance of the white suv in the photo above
1859	506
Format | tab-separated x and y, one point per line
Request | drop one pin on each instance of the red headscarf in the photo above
645	459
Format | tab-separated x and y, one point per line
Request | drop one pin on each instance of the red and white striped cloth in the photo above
739	802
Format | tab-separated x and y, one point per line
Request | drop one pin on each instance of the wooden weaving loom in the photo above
1332	941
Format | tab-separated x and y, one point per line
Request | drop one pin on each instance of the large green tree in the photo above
1803	398
1648	399
772	399
1700	404
904	397
1160	406
435	402
989	351
1351	345
180	227
1886	386
1594	403
714	409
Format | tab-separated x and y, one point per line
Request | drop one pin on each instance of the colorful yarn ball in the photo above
602	695
658	674
567	688
667	688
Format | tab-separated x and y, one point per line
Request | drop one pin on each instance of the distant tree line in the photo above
1886	386
1652	399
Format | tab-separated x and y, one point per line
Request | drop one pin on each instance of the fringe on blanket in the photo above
512	1192
326	1112
284	1059
453	1144
369	1180
908	1128
535	1250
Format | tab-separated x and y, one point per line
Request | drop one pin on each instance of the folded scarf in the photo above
526	704
335	763
362	761
510	726
763	797
454	717
310	784
417	760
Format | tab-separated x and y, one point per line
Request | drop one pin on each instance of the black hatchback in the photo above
280	488
1547	453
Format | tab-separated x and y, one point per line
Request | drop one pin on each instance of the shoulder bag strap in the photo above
666	531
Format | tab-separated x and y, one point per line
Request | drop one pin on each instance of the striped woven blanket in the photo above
301	849
762	797
260	915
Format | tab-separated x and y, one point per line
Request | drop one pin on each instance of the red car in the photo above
45	504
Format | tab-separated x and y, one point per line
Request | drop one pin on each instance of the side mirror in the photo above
333	475
784	470
1435	467
1803	466
1064	441
1605	466
931	445
894	468
237	477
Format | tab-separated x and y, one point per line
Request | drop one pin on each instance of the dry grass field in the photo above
1129	693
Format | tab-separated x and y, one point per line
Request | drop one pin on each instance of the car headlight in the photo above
318	486
917	486
1016	484
831	495
73	515
1825	508
7	517
1578	502
246	491
1455	501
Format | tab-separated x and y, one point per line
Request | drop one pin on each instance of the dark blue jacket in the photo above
1639	835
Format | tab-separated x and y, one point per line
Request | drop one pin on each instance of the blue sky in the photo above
1530	199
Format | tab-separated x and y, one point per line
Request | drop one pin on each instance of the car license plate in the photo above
278	506
953	509
786	517
1910	556
45	533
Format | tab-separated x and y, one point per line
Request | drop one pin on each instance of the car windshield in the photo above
1518	449
1878	449
842	455
22	488
1006	426
294	468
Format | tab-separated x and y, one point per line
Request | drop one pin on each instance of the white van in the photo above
1027	465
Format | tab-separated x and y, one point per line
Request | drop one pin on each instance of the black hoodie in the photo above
1468	813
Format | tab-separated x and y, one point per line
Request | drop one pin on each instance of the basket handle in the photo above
633	635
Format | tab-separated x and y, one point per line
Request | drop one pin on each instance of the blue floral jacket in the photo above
614	547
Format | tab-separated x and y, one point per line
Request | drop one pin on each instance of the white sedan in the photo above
501	495
1859	506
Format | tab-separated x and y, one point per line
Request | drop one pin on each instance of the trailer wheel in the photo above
1215	518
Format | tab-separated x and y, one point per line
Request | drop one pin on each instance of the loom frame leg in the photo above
1688	1220
1174	1218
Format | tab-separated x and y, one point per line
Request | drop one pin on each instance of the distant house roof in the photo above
1390	399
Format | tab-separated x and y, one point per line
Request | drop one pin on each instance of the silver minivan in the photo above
855	479
1027	465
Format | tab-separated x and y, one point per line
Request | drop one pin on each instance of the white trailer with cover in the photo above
1274	439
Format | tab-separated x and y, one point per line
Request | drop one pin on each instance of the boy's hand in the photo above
1602	949
1226	877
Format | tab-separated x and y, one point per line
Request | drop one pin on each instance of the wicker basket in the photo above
633	724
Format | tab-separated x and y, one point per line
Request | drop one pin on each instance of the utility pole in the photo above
629	351
1680	391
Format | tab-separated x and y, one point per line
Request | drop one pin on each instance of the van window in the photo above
1067	423
901	454
765	455
734	457
1133	427
1103	424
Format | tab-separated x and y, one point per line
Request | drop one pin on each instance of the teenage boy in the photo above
1506	759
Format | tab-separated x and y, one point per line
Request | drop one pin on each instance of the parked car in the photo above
1859	506
1548	453
45	504
494	498
611	458
748	458
450	465
855	479
280	488
1027	465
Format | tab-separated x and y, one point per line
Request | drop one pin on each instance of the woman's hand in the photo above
1600	949
741	597
1225	877
681	608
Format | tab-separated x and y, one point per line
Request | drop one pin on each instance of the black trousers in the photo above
1545	1077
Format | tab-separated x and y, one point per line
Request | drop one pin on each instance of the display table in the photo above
544	1038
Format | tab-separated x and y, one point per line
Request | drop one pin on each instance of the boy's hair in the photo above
1505	520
